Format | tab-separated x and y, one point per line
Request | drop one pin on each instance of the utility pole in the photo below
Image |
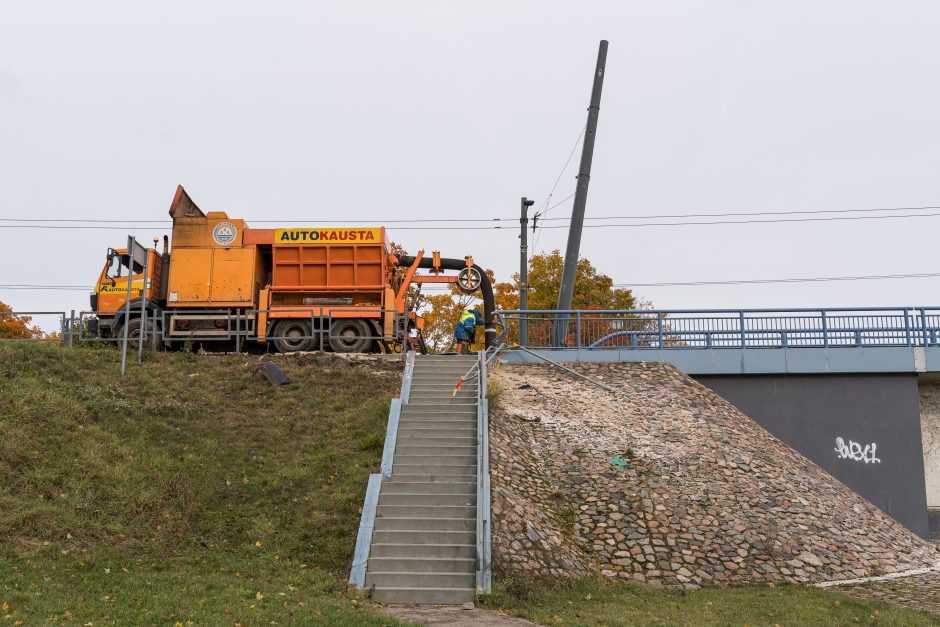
566	291
524	271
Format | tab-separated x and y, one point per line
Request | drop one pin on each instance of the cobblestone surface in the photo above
920	592
712	499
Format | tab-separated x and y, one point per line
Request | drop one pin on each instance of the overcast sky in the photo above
304	112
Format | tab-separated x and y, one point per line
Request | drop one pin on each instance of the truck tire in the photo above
350	336
289	336
151	342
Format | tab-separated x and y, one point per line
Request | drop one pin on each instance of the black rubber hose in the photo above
489	304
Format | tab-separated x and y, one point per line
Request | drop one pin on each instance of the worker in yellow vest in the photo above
466	330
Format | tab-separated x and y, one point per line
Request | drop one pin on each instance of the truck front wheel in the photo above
151	341
293	336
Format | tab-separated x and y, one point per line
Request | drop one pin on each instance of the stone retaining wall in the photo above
712	499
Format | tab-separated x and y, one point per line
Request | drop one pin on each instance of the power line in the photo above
45	287
510	227
574	148
780	221
818	279
80	222
756	213
548	199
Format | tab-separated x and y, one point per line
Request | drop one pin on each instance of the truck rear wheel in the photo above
350	336
293	336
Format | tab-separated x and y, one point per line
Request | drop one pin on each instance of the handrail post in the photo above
923	325
577	322
741	324
907	326
659	324
825	328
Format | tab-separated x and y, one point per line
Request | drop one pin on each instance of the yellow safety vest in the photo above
467	315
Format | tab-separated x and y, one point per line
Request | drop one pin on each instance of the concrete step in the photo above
444	565
424	596
408	409
425	524
439	440
444	396
420	580
436	413
405	448
411	536
436	470
438	460
426	511
424	550
441	384
427	499
428	487
442	404
413	431
425	476
453	374
463	396
431	421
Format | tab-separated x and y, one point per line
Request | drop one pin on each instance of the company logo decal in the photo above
224	233
120	288
326	236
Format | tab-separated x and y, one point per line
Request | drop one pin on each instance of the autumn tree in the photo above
592	290
16	327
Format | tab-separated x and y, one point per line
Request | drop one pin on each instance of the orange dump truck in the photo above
335	288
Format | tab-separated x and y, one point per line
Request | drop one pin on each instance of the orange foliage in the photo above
16	327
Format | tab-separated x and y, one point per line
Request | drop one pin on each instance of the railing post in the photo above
825	328
238	324
659	323
577	321
907	325
741	324
923	325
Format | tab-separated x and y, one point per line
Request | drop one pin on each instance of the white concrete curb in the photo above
899	575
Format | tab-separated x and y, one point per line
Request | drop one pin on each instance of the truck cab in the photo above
109	298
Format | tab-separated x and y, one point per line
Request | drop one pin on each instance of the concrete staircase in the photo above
424	539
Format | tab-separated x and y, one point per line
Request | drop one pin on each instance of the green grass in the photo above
598	602
192	490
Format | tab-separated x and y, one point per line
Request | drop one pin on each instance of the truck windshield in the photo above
117	266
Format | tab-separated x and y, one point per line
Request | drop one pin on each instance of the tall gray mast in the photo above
566	292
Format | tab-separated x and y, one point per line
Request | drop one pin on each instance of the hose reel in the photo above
468	280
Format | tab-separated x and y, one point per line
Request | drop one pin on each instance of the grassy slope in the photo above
590	602
192	490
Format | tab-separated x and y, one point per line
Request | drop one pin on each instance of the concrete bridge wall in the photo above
864	429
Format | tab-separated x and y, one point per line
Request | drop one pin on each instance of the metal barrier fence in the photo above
22	326
724	328
238	326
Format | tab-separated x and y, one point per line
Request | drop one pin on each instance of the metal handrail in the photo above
484	576
664	329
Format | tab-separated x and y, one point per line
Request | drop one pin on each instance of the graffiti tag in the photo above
854	451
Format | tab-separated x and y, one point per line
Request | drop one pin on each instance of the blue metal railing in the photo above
726	328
